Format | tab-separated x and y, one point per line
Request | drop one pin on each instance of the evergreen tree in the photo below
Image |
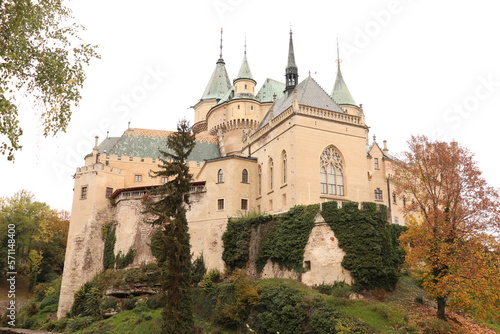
168	207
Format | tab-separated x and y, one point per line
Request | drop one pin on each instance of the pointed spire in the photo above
245	72
219	83
221	60
291	72
340	92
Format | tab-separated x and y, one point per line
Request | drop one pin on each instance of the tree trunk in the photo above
441	305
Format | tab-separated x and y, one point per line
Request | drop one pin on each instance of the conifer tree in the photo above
168	207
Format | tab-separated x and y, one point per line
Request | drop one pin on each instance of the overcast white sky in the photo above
418	67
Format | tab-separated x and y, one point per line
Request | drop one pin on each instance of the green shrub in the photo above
337	289
198	269
52	299
88	300
213	276
109	237
155	302
78	323
129	303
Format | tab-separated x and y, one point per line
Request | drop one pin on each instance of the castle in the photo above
268	150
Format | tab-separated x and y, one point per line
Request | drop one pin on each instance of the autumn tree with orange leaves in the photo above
453	216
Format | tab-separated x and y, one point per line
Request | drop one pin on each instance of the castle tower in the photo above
237	113
291	72
217	87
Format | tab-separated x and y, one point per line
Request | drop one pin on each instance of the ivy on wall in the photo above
287	240
236	239
284	244
373	255
109	259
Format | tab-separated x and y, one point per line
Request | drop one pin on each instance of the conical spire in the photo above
219	82
245	72
291	72
340	92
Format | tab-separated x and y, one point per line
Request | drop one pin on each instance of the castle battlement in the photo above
99	167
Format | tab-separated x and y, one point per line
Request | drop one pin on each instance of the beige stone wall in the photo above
84	250
323	257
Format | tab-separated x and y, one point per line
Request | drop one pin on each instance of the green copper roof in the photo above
269	89
340	92
146	143
219	83
244	72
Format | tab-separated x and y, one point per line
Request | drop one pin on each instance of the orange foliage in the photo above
454	225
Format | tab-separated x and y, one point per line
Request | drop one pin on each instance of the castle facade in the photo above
263	150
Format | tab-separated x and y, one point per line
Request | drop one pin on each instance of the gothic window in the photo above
244	176
284	162
260	180
271	176
220	176
378	194
331	172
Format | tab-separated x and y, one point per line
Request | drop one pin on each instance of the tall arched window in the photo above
284	166
271	174
220	176
331	172
244	176
260	180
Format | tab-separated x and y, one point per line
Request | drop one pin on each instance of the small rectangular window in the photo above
109	191
84	192
375	163
138	178
220	204
244	204
164	179
378	195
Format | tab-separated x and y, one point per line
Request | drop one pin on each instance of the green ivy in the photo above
109	258
236	239
124	260
109	236
373	255
287	240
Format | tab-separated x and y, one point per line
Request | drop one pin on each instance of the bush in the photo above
213	276
129	303
437	326
88	300
337	289
78	323
198	270
155	302
52	299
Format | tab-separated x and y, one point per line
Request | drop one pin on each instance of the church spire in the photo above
340	92
219	82
291	72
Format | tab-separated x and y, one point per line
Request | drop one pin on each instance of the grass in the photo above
127	322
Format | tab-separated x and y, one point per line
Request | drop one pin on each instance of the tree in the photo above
168	207
454	225
38	58
40	235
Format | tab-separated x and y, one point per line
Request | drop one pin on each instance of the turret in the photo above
340	92
244	84
217	87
